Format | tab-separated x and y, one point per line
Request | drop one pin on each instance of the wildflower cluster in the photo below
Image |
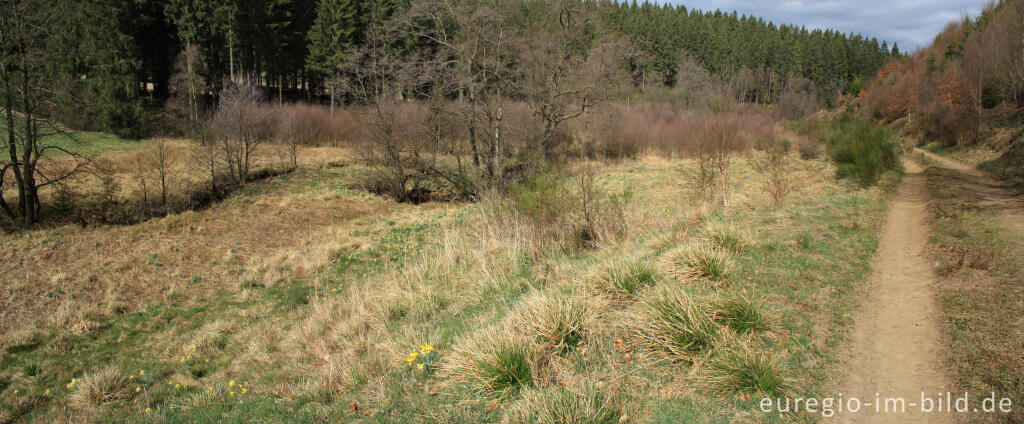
422	359
221	391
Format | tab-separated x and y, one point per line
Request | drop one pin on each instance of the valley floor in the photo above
300	300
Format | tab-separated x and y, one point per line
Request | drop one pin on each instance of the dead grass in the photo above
979	264
314	297
98	388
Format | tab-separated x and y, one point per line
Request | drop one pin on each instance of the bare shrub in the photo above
798	98
240	125
775	165
298	125
159	161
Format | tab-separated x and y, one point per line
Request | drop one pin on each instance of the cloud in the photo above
911	23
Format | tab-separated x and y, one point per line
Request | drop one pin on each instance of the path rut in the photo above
995	196
896	342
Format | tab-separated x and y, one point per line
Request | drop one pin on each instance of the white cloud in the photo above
911	23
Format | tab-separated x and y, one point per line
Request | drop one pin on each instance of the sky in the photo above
910	23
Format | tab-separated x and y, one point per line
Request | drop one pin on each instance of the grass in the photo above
559	322
741	313
628	278
980	269
312	297
557	405
83	142
494	367
699	260
1009	166
675	322
727	236
97	388
743	370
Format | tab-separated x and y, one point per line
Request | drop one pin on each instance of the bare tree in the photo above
475	40
187	83
240	125
160	161
378	79
566	68
29	84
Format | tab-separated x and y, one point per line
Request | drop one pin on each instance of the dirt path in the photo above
896	343
994	195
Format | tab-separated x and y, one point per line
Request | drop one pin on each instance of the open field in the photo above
298	299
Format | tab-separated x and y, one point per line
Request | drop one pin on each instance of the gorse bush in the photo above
568	212
861	151
542	199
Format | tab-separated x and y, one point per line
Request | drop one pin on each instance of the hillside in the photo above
964	92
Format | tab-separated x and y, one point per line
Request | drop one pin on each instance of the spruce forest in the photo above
132	55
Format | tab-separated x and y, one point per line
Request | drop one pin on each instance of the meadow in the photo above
301	297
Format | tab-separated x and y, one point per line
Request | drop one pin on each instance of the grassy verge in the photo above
450	316
980	267
81	142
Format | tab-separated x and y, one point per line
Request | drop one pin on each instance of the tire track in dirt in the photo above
896	346
994	195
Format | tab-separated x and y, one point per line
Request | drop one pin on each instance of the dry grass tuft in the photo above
99	387
743	369
742	313
560	322
697	260
627	278
675	323
727	236
558	405
496	364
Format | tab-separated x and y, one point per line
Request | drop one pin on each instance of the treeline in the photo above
747	47
125	55
970	78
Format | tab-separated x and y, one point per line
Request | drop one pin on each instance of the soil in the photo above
995	196
896	345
